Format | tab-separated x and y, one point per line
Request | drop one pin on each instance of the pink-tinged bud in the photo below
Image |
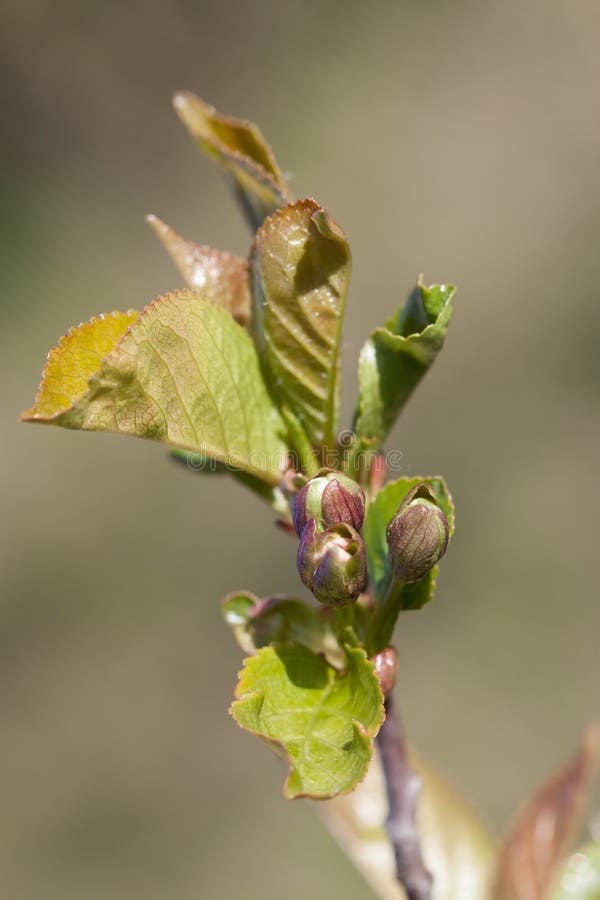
329	498
333	563
386	668
417	535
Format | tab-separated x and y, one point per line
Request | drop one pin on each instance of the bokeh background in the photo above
458	139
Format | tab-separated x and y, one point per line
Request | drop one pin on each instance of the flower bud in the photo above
306	560
417	535
386	668
333	563
329	498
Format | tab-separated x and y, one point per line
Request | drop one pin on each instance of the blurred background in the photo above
457	139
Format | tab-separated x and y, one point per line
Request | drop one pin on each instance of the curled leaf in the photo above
380	511
256	623
242	150
300	270
457	848
396	357
184	373
221	277
323	720
536	843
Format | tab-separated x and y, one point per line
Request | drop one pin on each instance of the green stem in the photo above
356	463
388	606
307	458
344	618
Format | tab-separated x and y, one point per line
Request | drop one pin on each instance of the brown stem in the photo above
403	789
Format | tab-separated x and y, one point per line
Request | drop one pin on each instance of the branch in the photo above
403	789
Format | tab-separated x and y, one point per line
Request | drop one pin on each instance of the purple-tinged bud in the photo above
308	554
386	668
333	563
417	535
341	574
329	498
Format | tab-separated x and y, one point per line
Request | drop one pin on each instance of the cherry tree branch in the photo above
403	789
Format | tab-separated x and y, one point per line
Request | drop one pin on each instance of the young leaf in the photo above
379	512
221	277
536	844
300	269
184	373
242	150
78	354
396	357
237	612
256	623
579	878
457	848
323	720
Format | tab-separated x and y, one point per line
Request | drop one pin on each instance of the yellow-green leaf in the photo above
78	354
184	374
242	150
300	270
456	846
323	720
221	277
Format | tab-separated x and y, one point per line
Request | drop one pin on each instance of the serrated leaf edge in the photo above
360	729
275	175
186	293
30	415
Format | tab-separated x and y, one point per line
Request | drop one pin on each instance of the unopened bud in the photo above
329	498
307	557
417	535
386	668
333	563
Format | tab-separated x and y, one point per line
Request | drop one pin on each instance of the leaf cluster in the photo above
238	372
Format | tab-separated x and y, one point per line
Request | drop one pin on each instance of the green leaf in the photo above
237	612
579	878
533	849
257	623
242	151
221	277
396	357
184	373
379	512
300	266
457	848
323	720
